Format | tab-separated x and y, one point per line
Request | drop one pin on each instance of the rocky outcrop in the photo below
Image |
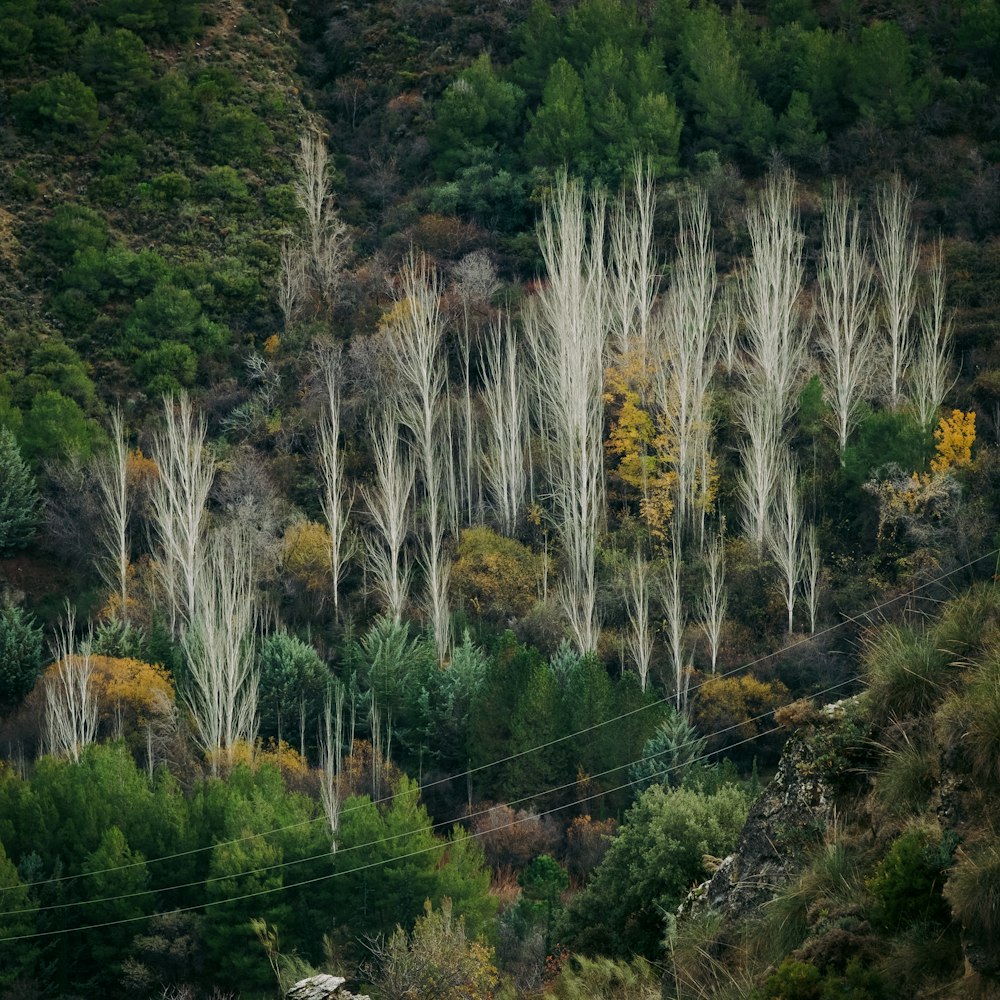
321	988
791	813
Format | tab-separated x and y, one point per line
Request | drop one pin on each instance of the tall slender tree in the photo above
71	708
896	252
112	481
639	638
568	328
845	299
930	372
503	396
714	599
785	535
388	500
177	498
223	680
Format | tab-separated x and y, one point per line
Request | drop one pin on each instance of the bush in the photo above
64	108
907	674
973	890
497	576
166	369
906	886
115	63
236	136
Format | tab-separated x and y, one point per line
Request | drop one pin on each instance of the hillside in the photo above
446	450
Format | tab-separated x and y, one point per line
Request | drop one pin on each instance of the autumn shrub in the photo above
587	841
130	696
498	576
305	555
512	837
730	710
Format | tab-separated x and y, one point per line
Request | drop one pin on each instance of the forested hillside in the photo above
447	449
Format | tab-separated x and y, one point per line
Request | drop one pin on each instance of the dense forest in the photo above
467	469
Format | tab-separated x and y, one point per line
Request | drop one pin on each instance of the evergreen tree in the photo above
20	656
18	496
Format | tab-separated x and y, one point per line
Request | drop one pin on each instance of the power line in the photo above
875	609
434	827
361	868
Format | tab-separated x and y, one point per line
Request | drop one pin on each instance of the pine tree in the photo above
18	496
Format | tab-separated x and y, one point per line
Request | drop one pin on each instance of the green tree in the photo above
293	684
541	43
543	882
728	112
649	866
882	83
798	134
17	958
20	656
115	63
64	108
477	112
18	496
559	132
56	427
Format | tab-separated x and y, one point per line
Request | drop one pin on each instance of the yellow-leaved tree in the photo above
954	438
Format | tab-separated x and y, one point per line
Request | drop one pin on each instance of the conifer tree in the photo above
18	496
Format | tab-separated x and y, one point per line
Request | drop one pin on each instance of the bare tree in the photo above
776	335
177	500
223	682
331	755
676	619
325	243
336	498
812	568
70	703
688	353
476	278
845	298
896	252
388	502
639	639
784	538
931	366
416	342
568	329
111	480
506	424
293	281
633	273
714	599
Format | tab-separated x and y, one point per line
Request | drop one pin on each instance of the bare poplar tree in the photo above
325	242
688	353
506	424
388	502
111	480
336	498
568	328
812	568
331	755
776	335
633	272
477	281
676	619
896	252
223	681
416	344
639	639
845	298
70	704
177	499
293	282
715	598
931	367
784	538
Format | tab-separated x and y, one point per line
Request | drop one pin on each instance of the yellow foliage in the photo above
640	443
140	471
130	690
305	554
724	702
497	576
290	763
272	344
954	436
395	316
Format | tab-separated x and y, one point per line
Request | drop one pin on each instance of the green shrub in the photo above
973	890
906	886
64	109
115	63
236	136
585	978
73	229
56	427
15	43
223	184
905	783
164	370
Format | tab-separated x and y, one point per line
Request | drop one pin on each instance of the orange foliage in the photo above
734	704
305	554
131	693
497	576
954	437
511	838
272	344
140	471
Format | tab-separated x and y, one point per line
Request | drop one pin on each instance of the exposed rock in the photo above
320	988
793	811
